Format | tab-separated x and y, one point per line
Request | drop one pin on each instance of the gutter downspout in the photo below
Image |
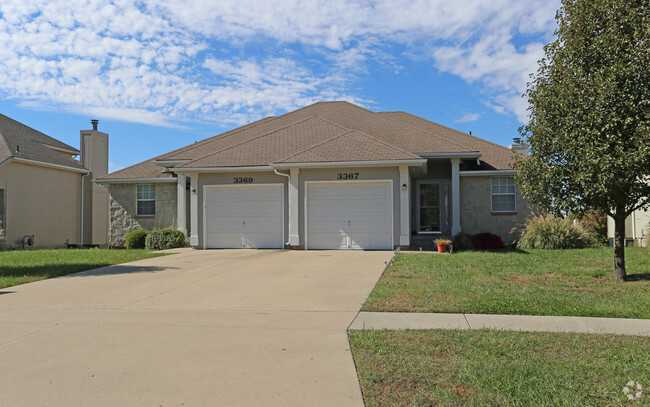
288	181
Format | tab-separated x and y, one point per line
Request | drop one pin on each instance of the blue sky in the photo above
162	74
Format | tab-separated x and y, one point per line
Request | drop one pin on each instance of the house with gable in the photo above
47	197
331	175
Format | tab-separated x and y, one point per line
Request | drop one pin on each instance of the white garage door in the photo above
244	216
349	215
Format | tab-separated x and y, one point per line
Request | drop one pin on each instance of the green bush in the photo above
168	238
463	241
549	232
136	239
595	227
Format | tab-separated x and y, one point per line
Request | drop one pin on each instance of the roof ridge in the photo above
217	136
425	131
234	131
16	122
246	141
447	127
360	132
318	144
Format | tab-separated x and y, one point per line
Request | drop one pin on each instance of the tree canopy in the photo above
589	114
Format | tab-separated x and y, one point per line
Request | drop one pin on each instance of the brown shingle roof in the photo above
494	155
324	132
19	140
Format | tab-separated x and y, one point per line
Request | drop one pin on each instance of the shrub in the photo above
136	239
594	225
550	232
487	241
463	241
168	238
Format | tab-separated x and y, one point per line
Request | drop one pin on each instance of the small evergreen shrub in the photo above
136	239
168	238
463	241
549	232
487	241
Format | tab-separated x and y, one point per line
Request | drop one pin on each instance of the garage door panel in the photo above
244	217
356	215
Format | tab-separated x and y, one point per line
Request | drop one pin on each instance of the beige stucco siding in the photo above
476	209
123	217
41	201
637	227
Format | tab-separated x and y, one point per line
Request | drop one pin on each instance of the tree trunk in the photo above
619	246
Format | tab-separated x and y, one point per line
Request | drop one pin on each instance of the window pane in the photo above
146	208
429	195
429	219
503	203
146	192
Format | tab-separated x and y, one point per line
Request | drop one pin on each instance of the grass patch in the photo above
533	282
498	368
20	267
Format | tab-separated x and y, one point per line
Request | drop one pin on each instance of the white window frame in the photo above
493	194
138	200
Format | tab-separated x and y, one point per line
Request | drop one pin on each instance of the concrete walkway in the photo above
198	328
412	320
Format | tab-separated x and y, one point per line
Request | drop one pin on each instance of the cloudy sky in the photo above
161	74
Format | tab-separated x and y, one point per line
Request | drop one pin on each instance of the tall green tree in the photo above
589	115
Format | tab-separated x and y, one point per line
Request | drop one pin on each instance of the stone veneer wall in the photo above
476	210
123	211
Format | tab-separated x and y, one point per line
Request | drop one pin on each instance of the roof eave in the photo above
487	173
44	164
464	154
109	181
337	164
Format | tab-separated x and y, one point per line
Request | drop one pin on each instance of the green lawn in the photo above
534	282
499	368
20	267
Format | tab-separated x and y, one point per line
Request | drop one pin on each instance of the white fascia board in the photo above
335	164
169	163
222	169
48	165
134	180
487	173
469	155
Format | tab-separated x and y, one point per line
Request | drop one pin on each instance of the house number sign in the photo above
242	180
347	175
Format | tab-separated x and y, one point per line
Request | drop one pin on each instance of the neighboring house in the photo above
637	229
48	194
328	176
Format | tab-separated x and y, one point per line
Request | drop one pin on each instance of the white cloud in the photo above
156	61
468	118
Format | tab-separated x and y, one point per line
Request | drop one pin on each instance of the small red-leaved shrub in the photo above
487	241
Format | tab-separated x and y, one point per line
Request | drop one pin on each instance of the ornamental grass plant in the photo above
549	232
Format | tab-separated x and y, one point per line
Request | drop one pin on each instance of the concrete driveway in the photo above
198	328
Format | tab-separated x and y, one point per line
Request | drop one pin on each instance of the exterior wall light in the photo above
403	187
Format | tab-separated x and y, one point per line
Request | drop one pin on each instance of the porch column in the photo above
404	206
194	209
294	235
455	196
181	206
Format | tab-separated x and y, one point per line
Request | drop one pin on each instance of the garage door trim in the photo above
231	186
374	181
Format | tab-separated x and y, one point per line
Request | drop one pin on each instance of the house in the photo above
331	175
47	199
637	228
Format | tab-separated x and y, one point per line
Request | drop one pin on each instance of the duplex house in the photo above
331	175
47	198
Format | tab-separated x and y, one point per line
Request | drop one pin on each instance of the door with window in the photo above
429	207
